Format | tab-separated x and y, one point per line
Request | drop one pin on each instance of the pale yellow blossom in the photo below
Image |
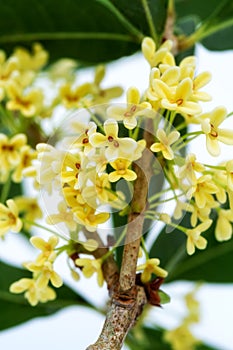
149	267
133	109
91	266
194	238
210	126
9	218
223	230
165	143
116	147
32	292
121	170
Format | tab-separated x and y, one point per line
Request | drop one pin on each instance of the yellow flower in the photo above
198	82
194	237
151	266
27	155
203	189
181	338
74	97
44	273
47	248
116	147
31	61
165	143
10	151
121	171
223	230
84	131
29	208
29	104
187	171
177	98
214	135
32	292
151	55
229	169
65	216
134	108
89	267
9	219
51	161
101	95
87	216
100	190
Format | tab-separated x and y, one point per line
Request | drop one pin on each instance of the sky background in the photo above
76	327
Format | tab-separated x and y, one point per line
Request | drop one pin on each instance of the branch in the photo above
128	299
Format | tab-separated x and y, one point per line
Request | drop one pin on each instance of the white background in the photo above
76	327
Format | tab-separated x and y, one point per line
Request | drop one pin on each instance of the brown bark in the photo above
128	298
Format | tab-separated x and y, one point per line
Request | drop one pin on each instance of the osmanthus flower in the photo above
73	97
198	82
9	218
89	217
134	109
189	169
27	155
99	191
194	238
47	248
181	338
32	292
10	151
165	143
44	273
210	126
29	208
153	56
100	94
28	103
122	170
149	267
91	266
116	147
65	216
203	190
49	170
73	197
31	61
177	98
229	170
202	214
83	130
223	230
76	169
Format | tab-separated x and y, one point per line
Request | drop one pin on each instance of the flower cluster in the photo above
16	156
103	147
37	289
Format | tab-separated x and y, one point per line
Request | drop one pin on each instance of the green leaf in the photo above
149	16
214	22
91	31
15	308
214	264
199	8
221	40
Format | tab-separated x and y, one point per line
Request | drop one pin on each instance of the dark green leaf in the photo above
15	308
199	8
221	40
135	12
91	31
214	264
